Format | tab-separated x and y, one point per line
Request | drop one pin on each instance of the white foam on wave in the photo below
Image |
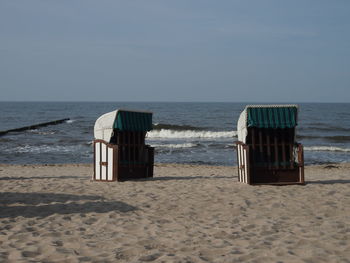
175	146
70	121
37	131
42	149
188	134
326	149
46	133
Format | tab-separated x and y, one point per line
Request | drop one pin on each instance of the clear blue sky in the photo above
176	50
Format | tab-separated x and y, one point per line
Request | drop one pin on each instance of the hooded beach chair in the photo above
120	152
266	149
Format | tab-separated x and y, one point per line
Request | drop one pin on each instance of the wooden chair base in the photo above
109	167
270	174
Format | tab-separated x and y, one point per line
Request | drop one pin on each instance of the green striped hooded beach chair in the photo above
267	152
120	152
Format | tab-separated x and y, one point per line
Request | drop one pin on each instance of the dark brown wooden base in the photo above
137	172
279	177
131	172
250	173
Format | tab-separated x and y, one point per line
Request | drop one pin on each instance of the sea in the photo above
187	133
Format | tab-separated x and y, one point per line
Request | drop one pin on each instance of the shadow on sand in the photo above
337	181
41	177
8	198
179	178
43	205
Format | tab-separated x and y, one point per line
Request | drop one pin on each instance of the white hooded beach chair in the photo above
266	149
120	152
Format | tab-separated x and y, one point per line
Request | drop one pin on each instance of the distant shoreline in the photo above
326	165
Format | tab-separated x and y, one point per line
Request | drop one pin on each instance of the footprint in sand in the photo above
57	243
151	257
30	254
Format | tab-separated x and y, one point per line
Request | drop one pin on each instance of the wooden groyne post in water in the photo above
31	127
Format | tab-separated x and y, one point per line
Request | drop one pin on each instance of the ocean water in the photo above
194	133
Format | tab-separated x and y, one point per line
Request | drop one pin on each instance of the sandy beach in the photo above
55	213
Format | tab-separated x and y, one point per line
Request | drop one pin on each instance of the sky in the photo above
183	50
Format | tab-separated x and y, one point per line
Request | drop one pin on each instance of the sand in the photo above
185	213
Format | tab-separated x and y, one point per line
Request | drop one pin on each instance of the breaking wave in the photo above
326	128
335	138
326	149
43	149
188	134
176	145
162	126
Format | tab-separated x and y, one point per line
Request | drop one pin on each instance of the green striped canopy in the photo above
272	117
133	121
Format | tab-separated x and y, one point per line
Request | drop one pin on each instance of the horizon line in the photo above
165	101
